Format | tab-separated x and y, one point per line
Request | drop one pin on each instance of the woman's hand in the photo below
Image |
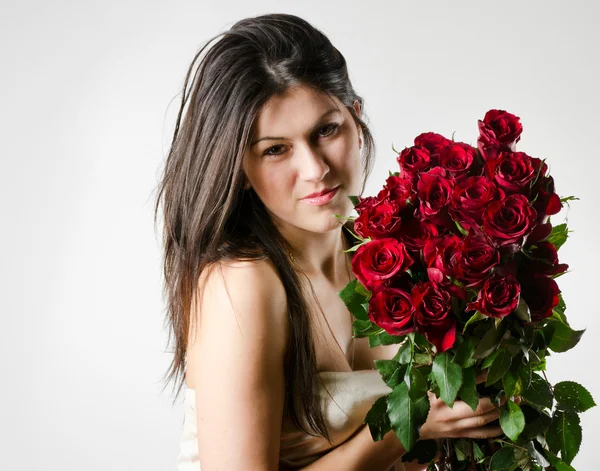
460	420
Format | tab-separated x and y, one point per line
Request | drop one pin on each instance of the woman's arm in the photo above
235	362
361	453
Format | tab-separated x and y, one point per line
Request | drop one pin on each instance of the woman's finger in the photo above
461	410
482	432
477	421
481	377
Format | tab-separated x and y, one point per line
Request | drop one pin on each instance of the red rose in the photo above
377	261
392	310
437	255
433	142
543	259
434	191
366	203
509	219
547	202
413	160
513	171
414	233
498	131
433	316
457	157
474	259
498	297
540	293
378	220
469	199
397	189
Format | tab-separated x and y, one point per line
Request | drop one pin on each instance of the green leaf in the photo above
468	390
522	311
391	371
417	387
573	396
487	362
448	377
423	452
383	338
405	353
563	337
478	316
364	328
538	393
354	199
564	434
460	228
536	422
465	351
557	463
512	420
405	415
502	459
477	452
490	341
377	418
558	235
353	300
500	366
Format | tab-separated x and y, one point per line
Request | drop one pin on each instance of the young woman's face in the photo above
305	142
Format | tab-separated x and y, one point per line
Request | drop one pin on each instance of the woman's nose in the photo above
311	164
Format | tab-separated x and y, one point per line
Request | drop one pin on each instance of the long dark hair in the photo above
208	216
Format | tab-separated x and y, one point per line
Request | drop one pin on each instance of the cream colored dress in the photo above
346	397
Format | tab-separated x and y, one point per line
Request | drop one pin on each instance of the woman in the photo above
271	145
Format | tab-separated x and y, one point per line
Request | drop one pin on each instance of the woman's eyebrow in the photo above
267	138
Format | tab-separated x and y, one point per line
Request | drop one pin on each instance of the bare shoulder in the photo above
244	299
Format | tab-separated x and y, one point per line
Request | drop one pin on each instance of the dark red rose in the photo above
398	190
392	310
540	293
474	259
379	260
434	190
378	220
547	202
508	220
457	158
415	232
413	160
469	199
498	131
498	297
366	203
513	171
433	316
433	142
437	255
543	259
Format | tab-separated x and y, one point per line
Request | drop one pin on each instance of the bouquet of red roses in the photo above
456	261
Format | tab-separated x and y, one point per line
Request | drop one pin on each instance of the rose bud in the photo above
398	190
415	232
434	190
433	315
433	142
540	293
474	259
457	158
413	160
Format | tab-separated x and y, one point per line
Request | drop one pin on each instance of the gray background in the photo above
86	116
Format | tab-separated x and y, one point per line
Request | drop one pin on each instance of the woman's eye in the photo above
267	151
333	127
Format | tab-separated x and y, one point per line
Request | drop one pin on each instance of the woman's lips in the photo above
323	199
